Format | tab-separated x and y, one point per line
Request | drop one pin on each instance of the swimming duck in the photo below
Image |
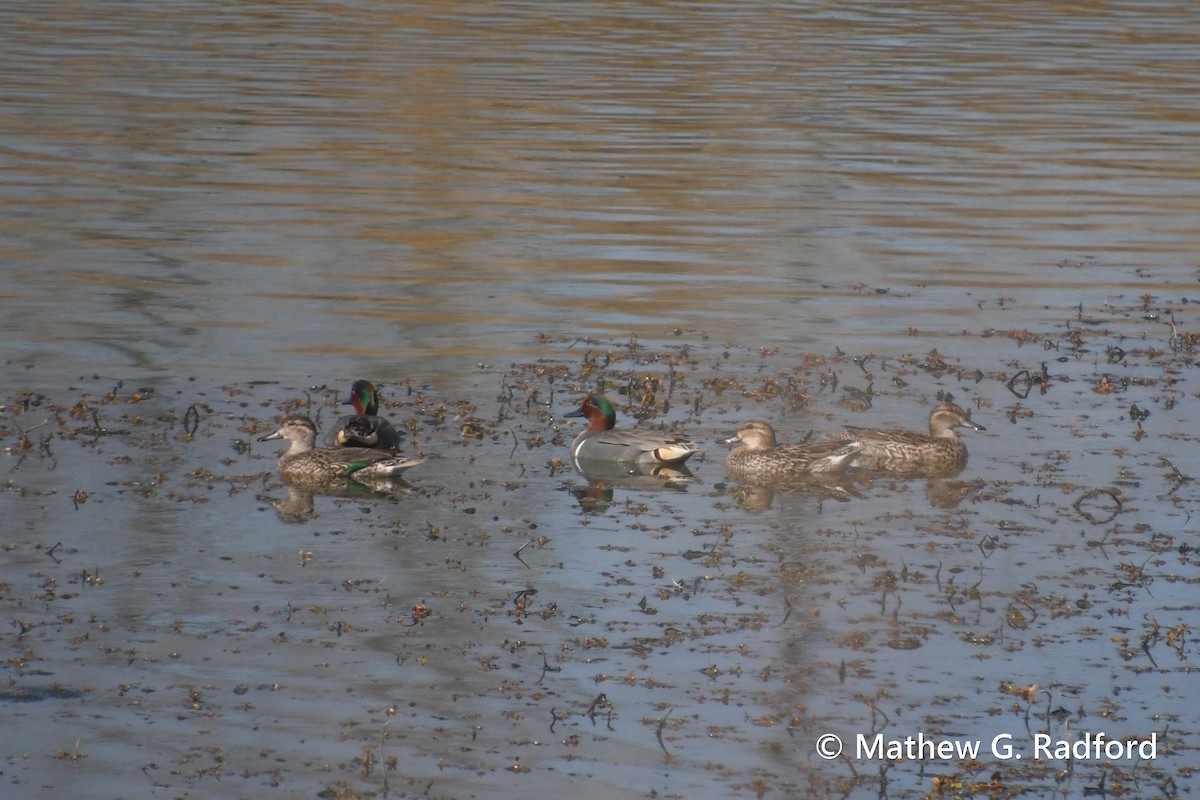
366	428
303	462
600	443
905	451
758	455
361	432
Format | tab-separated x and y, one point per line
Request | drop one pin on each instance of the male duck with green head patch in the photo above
366	428
600	442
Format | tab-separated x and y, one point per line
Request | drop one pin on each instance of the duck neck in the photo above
298	447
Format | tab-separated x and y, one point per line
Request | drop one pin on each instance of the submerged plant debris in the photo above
180	622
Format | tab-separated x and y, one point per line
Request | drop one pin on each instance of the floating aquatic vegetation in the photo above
511	616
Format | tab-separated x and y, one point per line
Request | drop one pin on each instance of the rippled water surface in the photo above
813	214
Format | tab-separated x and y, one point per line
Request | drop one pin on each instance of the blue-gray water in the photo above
490	209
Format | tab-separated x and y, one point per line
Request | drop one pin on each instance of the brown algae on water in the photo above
502	624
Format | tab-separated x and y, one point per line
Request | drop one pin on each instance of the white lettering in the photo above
1002	750
1092	747
1041	746
1081	749
968	749
862	750
912	748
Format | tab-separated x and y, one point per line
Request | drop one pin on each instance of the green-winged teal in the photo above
366	428
600	443
939	451
303	462
759	456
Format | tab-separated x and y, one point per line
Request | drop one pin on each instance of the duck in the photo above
365	428
362	431
759	456
600	443
892	450
304	462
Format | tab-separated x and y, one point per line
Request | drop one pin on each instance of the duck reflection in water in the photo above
938	456
300	503
332	471
854	459
603	479
764	467
757	496
947	493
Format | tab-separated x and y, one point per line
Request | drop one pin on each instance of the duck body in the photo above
759	456
365	428
303	462
941	451
600	443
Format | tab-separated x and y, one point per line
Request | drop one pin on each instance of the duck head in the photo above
364	397
756	435
598	411
945	417
297	429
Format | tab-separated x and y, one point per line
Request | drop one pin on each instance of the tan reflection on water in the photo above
420	175
299	194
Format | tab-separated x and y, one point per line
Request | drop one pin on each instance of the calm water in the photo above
222	207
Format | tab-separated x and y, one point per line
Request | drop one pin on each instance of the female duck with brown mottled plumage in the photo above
759	456
892	450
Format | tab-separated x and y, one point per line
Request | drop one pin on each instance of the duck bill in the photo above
270	436
576	413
